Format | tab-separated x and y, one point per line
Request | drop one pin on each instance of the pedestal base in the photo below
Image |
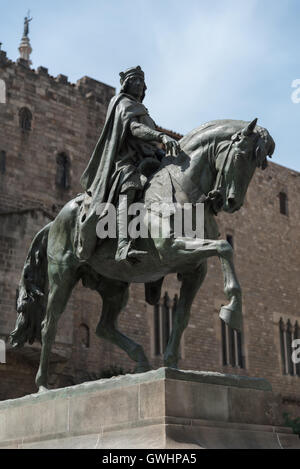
164	408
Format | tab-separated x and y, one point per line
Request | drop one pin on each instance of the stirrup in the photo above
126	254
122	250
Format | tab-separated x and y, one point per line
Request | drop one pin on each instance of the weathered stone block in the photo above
159	409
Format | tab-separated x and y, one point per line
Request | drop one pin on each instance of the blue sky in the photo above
203	60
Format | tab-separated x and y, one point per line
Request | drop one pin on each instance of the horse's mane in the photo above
218	130
222	128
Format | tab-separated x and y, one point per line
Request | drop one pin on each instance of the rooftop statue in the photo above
212	165
27	20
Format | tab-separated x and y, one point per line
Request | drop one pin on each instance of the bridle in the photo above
215	196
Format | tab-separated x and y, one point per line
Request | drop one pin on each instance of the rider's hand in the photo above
172	146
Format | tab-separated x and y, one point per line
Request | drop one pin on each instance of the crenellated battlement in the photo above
94	91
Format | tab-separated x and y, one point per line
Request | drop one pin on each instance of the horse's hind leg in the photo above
61	282
115	296
191	283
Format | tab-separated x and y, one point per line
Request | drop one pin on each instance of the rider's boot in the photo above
124	252
85	237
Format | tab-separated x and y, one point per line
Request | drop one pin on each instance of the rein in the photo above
215	197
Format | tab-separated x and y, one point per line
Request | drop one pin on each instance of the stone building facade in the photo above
48	128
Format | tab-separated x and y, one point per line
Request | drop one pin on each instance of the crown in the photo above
131	72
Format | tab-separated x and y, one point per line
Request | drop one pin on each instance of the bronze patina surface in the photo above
212	164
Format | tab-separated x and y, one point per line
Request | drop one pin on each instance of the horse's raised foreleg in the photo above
191	251
191	283
115	296
231	313
61	282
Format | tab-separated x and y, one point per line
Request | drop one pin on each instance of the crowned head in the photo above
133	82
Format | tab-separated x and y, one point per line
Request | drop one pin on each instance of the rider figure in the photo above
128	137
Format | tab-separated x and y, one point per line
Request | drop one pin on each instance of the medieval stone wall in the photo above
67	118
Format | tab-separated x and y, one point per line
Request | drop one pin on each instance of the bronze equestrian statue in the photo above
212	164
128	140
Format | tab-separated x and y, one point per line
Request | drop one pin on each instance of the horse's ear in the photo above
250	128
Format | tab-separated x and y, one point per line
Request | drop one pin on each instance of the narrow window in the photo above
289	340
84	336
230	240
232	348
297	336
2	161
166	319
224	342
240	349
283	205
164	313
62	171
282	345
288	333
25	119
231	342
157	329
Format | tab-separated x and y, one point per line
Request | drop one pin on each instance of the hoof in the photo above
171	362
233	318
174	366
42	389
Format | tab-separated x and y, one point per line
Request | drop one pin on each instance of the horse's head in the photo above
236	163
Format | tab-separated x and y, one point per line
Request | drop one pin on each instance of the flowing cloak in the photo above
113	163
116	150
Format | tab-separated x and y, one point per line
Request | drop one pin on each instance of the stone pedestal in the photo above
164	408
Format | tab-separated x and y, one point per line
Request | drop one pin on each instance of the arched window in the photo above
2	161
232	348
2	92
62	178
25	119
288	333
283	203
84	336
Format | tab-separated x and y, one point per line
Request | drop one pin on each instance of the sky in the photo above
222	59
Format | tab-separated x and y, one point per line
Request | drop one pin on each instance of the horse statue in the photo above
215	166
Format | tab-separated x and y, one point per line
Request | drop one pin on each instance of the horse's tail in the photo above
32	293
